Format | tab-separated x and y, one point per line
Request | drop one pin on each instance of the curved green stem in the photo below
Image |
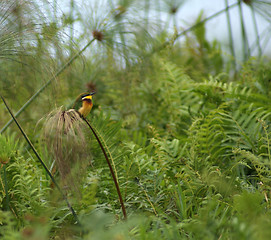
110	167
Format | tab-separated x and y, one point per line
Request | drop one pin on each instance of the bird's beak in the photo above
92	93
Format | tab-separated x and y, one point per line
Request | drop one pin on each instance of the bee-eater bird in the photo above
86	104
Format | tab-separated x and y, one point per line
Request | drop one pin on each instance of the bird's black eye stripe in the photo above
84	95
87	94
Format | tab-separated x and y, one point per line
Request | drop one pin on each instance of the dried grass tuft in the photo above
65	139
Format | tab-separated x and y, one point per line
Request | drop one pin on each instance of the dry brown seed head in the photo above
248	2
91	87
173	10
98	35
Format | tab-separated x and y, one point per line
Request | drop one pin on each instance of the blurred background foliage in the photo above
185	124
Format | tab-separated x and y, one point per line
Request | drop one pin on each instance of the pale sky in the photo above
216	28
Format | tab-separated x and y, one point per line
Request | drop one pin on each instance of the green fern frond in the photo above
8	147
28	187
260	164
217	91
8	224
208	137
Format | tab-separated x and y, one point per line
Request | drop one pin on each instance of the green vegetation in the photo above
184	126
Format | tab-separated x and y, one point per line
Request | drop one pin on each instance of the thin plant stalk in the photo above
167	22
230	35
159	13
30	100
41	161
264	33
246	50
175	21
121	31
6	187
124	47
110	167
147	10
256	31
147	197
55	10
267	39
71	25
125	52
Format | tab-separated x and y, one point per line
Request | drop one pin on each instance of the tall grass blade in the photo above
230	35
71	25
246	50
41	161
256	31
